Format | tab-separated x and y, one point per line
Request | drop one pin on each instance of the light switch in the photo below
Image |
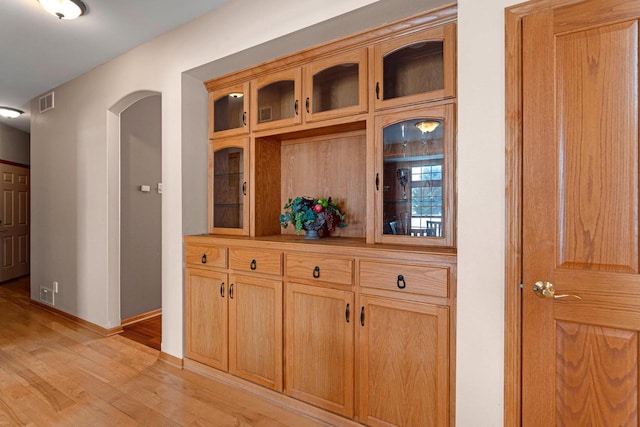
145	188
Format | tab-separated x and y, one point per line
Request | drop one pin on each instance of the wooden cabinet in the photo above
319	330
368	120
228	186
206	317
255	329
233	322
228	109
336	86
403	363
275	100
415	185
414	68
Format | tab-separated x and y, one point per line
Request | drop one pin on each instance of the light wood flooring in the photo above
55	373
147	332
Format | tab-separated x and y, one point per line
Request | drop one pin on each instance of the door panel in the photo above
14	221
580	215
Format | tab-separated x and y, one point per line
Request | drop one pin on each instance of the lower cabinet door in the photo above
255	330
319	346
403	362
206	317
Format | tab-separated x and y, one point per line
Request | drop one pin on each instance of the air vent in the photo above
46	102
46	295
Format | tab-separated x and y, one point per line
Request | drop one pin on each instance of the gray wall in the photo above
14	145
141	232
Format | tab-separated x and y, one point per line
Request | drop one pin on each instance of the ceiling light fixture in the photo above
64	9
10	113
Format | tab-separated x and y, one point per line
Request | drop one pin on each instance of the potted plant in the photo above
312	215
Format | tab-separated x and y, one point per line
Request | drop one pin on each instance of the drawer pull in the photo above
346	313
307	105
204	258
401	283
362	316
253	264
222	289
377	90
231	291
316	272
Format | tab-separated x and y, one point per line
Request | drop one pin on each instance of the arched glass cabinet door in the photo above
228	111
415	68
228	186
415	177
336	86
275	100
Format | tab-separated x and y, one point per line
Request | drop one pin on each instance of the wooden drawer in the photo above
323	269
412	279
256	261
207	256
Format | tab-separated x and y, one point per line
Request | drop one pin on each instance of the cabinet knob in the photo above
346	313
362	316
306	103
244	188
377	182
253	264
244	118
401	283
222	289
377	90
316	272
231	291
204	258
295	107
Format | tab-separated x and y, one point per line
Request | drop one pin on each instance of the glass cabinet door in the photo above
336	86
229	204
415	177
275	100
228	111
415	68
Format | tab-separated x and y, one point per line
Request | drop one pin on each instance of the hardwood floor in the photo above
55	373
147	332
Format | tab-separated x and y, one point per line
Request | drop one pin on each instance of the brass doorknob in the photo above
545	290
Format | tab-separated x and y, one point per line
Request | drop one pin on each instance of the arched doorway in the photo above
135	238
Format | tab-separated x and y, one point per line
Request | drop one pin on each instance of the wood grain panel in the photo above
597	376
319	347
598	135
416	279
257	261
403	362
329	166
255	330
265	180
321	269
215	256
206	333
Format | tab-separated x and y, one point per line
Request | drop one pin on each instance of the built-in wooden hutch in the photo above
361	323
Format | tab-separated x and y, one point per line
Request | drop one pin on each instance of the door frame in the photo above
513	203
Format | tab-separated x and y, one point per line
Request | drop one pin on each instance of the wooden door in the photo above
14	221
275	100
580	215
206	328
255	330
404	363
319	346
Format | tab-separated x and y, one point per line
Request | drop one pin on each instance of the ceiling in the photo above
40	52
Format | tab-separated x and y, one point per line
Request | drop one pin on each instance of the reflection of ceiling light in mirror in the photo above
236	95
427	126
10	113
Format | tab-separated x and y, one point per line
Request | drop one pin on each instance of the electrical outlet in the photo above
55	287
46	295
